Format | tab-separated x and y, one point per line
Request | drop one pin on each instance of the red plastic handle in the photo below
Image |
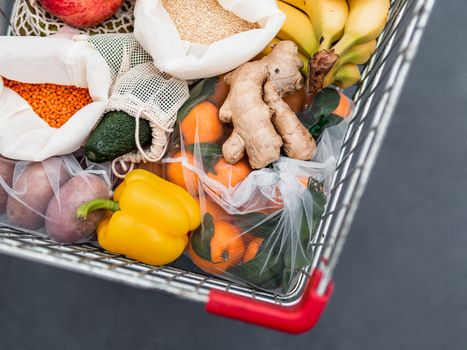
298	318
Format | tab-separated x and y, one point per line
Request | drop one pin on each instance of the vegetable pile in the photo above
246	157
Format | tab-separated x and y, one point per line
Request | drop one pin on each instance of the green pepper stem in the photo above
96	204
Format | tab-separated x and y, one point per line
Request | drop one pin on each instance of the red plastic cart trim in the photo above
298	318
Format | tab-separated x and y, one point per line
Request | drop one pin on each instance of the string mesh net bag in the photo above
30	19
142	91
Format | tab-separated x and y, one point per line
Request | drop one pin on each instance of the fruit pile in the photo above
335	35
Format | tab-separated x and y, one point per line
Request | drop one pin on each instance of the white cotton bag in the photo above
23	134
157	33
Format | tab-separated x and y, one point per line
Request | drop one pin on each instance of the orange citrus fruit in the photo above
227	248
202	125
344	108
230	174
253	244
181	176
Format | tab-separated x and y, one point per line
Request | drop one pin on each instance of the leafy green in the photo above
201	238
198	93
319	115
210	154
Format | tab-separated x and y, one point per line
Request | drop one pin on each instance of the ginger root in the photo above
262	121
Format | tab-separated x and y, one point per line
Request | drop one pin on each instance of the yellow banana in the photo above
305	69
347	75
359	54
365	23
328	18
300	4
298	28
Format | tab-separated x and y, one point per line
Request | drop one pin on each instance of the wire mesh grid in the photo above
375	97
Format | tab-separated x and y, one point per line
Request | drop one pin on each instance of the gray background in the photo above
400	284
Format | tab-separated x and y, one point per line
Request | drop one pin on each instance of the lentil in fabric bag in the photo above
52	94
193	39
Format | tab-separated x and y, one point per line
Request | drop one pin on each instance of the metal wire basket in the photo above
376	98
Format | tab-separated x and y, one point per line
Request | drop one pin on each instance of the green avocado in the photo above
114	136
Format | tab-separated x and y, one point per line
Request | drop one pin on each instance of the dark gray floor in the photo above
400	282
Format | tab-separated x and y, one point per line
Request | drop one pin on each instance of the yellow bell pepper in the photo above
151	218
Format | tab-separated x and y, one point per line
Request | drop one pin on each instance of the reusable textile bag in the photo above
156	32
140	90
23	134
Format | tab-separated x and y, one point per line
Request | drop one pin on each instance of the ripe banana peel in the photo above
298	28
359	54
347	75
365	23
366	20
353	24
328	18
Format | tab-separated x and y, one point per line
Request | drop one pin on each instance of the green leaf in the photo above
303	252
325	102
206	149
263	271
257	224
198	93
317	129
201	238
210	154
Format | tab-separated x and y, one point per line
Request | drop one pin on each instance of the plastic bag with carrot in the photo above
259	226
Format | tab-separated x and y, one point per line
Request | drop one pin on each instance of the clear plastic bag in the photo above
259	227
42	197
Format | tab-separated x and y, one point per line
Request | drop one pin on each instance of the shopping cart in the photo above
299	310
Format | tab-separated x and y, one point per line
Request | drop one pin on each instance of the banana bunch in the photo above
345	29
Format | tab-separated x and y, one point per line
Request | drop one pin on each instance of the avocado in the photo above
114	136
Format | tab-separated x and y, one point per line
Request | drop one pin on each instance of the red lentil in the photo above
53	103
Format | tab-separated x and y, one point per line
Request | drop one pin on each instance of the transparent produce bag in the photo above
42	197
24	135
259	227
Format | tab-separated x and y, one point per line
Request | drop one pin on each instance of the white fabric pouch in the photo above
157	33
23	134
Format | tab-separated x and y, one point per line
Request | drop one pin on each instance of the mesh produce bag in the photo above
259	227
30	19
142	91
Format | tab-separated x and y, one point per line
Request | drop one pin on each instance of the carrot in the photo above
55	104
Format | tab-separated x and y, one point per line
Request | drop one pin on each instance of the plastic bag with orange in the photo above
259	227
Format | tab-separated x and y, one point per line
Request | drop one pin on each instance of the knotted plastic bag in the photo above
42	197
23	134
157	33
142	91
259	227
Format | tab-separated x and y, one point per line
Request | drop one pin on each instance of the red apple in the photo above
82	13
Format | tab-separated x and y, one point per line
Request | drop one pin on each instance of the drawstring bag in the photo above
142	91
158	35
24	135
